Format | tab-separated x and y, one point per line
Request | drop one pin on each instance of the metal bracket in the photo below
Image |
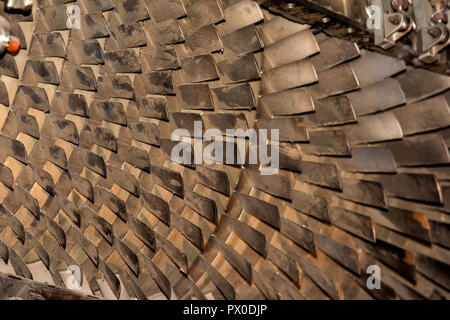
396	26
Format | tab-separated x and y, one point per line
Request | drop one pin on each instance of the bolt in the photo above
350	30
440	11
436	3
416	62
433	32
400	5
394	20
325	20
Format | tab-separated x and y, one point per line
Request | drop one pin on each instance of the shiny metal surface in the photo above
87	179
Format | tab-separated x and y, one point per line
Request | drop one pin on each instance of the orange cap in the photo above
13	45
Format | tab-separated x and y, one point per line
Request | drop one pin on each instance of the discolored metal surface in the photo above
87	178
